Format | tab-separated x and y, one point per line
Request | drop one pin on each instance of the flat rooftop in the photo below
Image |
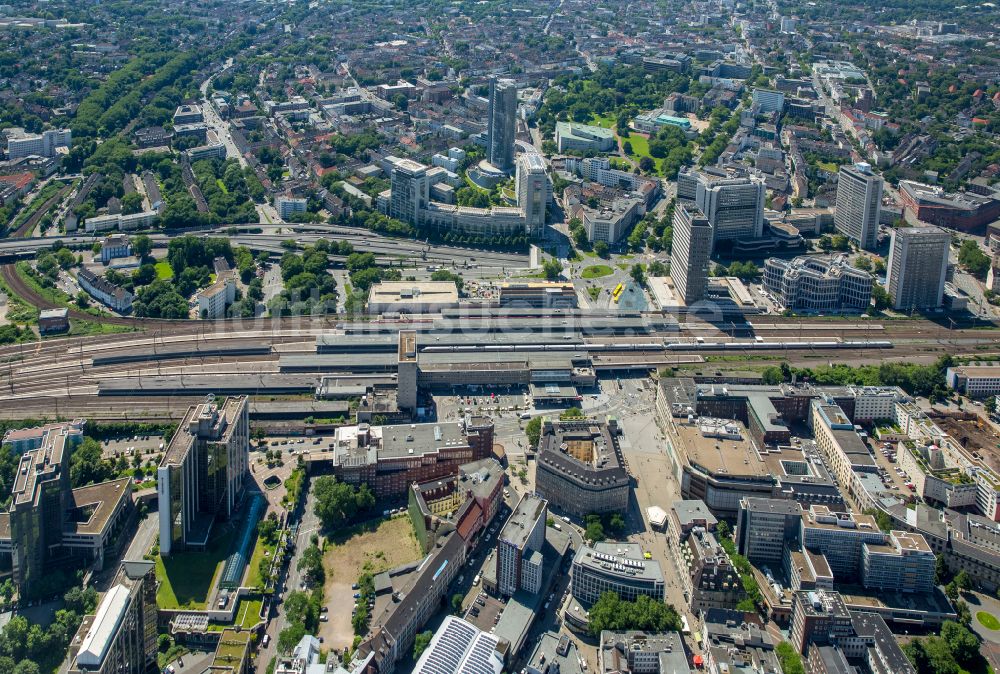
424	292
519	525
620	559
718	455
94	505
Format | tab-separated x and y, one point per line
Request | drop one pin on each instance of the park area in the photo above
371	547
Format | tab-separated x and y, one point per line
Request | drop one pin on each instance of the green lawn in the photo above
988	620
163	270
248	612
186	578
604	121
597	271
253	576
222	185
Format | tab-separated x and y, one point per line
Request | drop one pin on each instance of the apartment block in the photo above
519	547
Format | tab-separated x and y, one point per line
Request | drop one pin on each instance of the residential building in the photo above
533	190
736	641
286	206
554	654
574	137
501	123
121	636
615	567
917	267
459	646
859	199
711	579
519	547
642	653
975	381
104	291
765	529
580	467
689	257
115	246
733	206
817	284
201	476
766	100
21	144
304	658
466	503
209	151
213	300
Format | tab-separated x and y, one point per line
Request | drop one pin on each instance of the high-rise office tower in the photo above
859	200
201	476
734	207
501	124
918	263
410	191
691	250
532	190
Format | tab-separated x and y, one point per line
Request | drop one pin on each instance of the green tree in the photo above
421	642
790	660
972	257
881	297
142	246
602	249
456	603
638	274
337	503
533	429
290	637
311	564
963	644
551	268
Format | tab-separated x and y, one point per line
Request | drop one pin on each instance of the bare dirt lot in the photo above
373	547
973	434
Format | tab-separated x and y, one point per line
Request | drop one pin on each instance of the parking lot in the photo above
144	445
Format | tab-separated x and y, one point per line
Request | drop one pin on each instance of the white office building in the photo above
859	200
533	190
21	144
